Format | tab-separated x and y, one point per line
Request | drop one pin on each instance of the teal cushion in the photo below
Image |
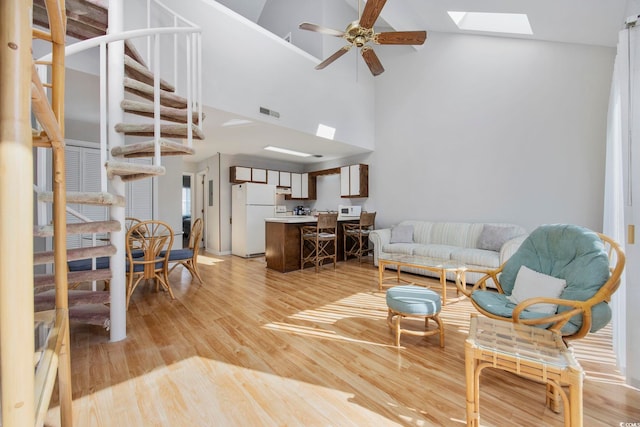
570	252
413	300
499	305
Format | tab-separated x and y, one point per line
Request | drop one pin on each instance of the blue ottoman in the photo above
414	301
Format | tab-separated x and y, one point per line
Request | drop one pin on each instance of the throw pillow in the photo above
494	236
402	234
531	284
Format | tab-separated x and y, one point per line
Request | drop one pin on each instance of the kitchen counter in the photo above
293	219
282	240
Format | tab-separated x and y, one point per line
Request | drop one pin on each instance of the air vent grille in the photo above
269	112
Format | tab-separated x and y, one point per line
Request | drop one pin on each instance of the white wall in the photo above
246	67
474	128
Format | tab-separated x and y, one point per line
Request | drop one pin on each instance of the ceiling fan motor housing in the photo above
357	35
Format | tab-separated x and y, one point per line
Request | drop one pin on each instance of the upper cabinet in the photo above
273	177
259	175
354	181
240	174
302	187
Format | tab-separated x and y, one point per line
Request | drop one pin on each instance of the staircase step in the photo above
168	99
47	300
178	115
40	258
79	228
91	314
141	73
132	171
166	131
102	199
43	282
131	51
147	149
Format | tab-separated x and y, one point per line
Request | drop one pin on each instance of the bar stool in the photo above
356	236
320	241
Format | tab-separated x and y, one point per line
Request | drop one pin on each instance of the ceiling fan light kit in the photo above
359	33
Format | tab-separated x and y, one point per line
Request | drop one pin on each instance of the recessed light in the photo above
236	122
514	23
286	151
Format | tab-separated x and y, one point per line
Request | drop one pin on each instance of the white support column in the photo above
116	186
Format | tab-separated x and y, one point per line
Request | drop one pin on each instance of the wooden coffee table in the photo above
424	263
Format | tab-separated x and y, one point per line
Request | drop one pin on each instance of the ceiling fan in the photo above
360	32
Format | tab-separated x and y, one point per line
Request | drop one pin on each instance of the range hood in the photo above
283	190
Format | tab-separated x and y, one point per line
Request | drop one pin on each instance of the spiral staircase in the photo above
34	285
86	20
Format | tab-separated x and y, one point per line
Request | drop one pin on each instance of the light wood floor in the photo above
252	347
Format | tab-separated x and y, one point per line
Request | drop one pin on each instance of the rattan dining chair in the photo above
188	257
356	236
154	239
319	242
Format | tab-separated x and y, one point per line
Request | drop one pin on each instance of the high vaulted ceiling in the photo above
591	22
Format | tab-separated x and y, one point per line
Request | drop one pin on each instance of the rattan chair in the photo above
590	263
356	236
130	222
154	239
319	242
188	257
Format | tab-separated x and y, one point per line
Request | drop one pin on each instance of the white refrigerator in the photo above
250	205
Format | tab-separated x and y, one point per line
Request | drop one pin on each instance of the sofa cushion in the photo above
400	248
493	236
435	251
450	233
480	257
402	234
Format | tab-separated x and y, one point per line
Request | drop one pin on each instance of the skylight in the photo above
514	23
325	131
286	151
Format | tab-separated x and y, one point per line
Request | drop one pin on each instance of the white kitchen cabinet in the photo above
296	185
259	175
354	181
304	192
299	185
344	181
285	179
273	177
239	174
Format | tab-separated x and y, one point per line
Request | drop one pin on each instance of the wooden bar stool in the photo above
356	236
319	242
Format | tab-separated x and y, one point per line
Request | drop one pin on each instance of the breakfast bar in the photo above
282	240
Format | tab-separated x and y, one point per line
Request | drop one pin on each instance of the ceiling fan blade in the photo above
320	29
333	57
371	12
401	37
372	61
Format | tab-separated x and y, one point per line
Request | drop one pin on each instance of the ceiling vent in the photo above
269	112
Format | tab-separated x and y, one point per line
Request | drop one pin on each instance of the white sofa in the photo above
477	245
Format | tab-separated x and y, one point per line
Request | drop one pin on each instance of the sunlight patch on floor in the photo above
208	260
199	391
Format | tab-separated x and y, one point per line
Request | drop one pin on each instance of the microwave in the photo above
354	211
